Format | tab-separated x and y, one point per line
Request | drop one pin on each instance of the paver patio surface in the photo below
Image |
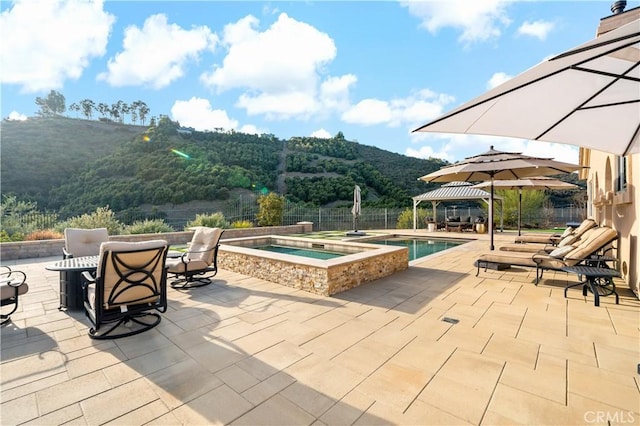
250	352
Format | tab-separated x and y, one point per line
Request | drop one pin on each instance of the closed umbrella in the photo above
543	183
500	165
588	96
356	209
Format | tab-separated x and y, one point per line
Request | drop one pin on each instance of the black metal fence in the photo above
327	219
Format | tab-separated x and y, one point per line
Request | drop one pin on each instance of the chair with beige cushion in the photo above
129	284
569	255
555	238
12	286
83	242
569	240
199	263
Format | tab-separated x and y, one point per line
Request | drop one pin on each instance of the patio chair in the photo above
555	238
199	264
83	242
569	240
561	257
129	284
12	286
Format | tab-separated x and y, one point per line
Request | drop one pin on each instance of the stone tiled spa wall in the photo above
324	280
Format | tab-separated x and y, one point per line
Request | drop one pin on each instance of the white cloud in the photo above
197	113
157	54
321	133
16	116
479	20
497	79
251	129
280	70
415	109
539	29
427	152
456	147
45	42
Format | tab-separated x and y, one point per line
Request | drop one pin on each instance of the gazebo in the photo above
450	192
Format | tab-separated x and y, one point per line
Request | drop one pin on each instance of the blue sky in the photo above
372	70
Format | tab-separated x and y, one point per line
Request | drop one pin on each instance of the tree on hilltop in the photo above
51	106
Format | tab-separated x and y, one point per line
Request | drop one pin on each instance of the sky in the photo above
373	70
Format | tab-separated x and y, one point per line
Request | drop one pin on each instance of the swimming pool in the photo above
358	263
419	247
297	251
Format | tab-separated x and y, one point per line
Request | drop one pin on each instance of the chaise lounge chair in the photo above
561	257
555	238
569	240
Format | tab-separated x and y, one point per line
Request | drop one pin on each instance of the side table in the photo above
598	280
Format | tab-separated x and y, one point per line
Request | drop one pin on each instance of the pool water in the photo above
419	247
297	251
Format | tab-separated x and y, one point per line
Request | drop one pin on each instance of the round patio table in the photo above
71	279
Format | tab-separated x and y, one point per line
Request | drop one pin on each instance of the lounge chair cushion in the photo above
567	232
591	243
584	226
567	241
561	252
510	258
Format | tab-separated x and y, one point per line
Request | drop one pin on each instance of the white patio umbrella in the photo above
539	182
588	96
495	164
356	209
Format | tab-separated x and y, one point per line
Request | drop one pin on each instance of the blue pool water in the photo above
297	251
419	247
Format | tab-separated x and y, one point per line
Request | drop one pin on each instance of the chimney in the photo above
618	6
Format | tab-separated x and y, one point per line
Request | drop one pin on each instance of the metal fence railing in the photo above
323	218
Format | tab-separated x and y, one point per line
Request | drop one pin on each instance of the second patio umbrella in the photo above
495	164
539	182
356	209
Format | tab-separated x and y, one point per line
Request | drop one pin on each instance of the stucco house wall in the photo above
610	205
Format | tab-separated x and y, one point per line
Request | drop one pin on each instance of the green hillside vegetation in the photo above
73	166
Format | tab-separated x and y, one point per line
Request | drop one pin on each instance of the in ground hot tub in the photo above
292	261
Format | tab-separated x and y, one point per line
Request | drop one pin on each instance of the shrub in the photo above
242	224
103	217
18	218
148	226
213	220
45	234
6	238
405	219
271	210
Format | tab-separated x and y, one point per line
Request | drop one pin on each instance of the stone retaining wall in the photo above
48	248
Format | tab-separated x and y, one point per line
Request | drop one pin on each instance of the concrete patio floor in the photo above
248	351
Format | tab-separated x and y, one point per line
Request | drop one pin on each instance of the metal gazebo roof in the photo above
449	192
455	191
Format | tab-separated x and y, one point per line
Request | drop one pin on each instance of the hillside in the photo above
73	166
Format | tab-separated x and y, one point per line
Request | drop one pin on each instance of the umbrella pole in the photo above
491	214
519	210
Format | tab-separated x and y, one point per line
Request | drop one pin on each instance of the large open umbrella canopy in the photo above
588	96
539	182
495	164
